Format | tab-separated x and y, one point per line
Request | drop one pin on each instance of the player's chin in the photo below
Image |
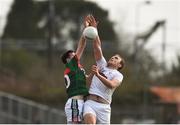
110	63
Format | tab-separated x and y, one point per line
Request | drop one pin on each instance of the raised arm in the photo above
97	42
82	41
97	48
81	46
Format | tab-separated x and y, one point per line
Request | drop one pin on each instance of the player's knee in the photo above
89	119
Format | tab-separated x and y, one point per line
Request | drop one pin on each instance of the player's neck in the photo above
111	66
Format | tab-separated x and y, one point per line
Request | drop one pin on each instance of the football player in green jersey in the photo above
75	80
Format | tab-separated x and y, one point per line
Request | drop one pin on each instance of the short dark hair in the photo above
65	56
122	62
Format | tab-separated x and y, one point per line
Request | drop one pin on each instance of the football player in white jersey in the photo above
106	79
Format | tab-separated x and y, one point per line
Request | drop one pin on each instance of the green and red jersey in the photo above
75	78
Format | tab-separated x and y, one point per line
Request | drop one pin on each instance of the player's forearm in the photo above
97	44
89	79
106	82
97	48
81	46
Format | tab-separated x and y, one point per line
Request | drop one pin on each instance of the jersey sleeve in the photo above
101	63
118	76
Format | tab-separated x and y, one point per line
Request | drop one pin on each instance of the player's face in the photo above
114	61
71	55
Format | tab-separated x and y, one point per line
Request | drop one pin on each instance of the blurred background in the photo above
34	34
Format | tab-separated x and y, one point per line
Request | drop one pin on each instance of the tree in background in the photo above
28	19
21	21
172	78
25	16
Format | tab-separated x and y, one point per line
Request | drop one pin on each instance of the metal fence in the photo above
14	109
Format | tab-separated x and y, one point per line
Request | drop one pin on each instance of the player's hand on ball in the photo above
87	21
93	21
90	21
90	31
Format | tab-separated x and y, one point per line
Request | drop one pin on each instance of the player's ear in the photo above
119	65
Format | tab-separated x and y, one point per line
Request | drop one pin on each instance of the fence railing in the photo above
14	109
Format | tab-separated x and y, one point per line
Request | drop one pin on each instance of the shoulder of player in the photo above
117	73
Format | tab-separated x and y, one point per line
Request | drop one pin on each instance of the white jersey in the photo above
97	87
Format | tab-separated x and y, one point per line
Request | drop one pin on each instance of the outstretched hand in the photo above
86	21
90	21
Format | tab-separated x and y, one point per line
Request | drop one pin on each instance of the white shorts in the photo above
74	110
100	110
